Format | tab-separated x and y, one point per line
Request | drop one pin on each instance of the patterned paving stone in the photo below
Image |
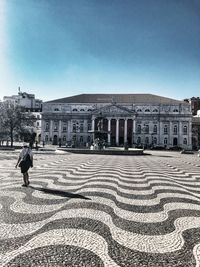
96	210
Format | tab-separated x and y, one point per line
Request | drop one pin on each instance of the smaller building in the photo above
196	131
23	99
195	104
29	104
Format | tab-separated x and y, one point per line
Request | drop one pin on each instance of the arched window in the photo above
175	110
165	129
147	110
89	109
74	109
139	129
155	110
185	129
146	140
56	109
81	139
165	141
139	110
139	140
88	139
74	138
82	109
64	138
175	129
155	129
185	141
46	138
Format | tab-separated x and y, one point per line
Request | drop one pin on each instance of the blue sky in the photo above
58	48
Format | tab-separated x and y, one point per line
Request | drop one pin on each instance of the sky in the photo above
60	48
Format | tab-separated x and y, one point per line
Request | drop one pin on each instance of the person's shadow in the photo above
59	193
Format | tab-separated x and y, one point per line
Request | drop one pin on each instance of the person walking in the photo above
25	161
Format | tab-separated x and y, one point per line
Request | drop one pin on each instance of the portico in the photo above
119	130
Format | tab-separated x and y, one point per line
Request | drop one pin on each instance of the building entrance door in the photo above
175	141
55	140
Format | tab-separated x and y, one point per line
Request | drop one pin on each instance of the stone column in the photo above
93	129
125	131
93	125
59	128
134	131
51	130
160	133
180	133
109	130
170	133
117	132
85	131
190	135
69	131
42	130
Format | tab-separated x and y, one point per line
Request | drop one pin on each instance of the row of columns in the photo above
117	128
159	133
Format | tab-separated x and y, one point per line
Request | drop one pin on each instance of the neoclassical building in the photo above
136	119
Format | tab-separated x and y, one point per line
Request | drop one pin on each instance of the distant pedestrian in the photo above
25	161
43	143
36	145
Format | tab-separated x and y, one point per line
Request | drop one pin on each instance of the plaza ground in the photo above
101	210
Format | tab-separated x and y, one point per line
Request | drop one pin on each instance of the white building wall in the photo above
146	114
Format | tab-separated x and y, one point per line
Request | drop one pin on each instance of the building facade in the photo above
29	104
136	119
196	131
195	104
23	99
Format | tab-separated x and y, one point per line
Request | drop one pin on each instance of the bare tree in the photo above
14	120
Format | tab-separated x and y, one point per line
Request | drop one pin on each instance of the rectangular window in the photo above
47	127
89	126
146	129
74	128
81	128
155	129
165	129
55	126
64	127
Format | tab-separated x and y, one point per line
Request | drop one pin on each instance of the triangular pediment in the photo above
113	109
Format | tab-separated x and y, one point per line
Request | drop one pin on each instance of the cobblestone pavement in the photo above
95	210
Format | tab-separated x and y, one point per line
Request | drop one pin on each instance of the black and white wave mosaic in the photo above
95	210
